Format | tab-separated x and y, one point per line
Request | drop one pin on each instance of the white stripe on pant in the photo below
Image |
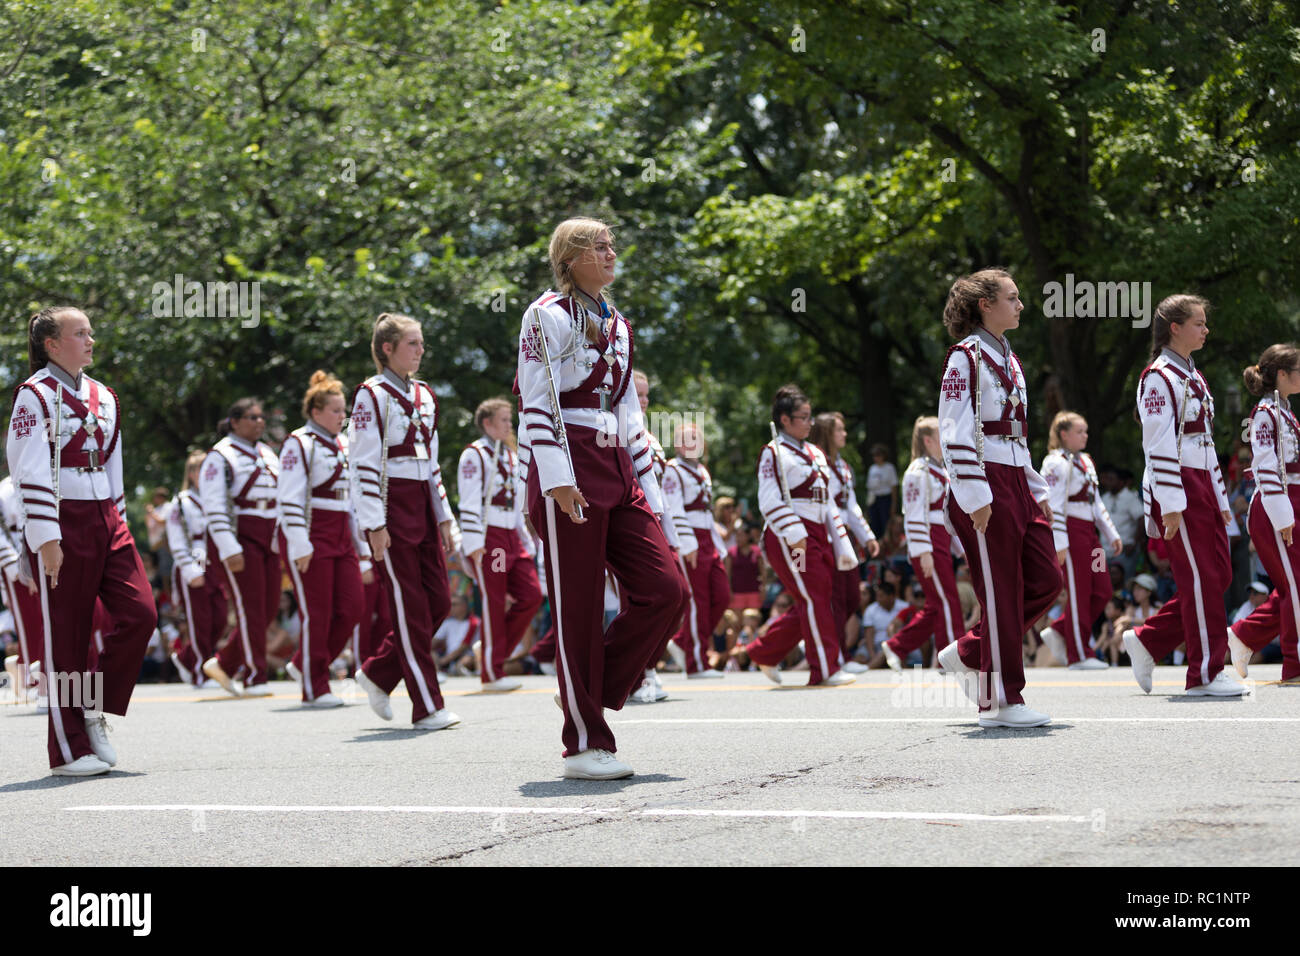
995	644
306	629
406	638
558	617
52	683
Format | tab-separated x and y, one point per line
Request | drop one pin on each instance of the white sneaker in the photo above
258	690
652	675
709	674
42	705
86	766
1140	658
1223	685
645	694
677	654
295	675
1055	643
595	765
438	720
187	675
547	668
856	667
1089	664
97	730
891	658
838	678
1241	654
1013	715
502	685
379	701
324	701
209	684
771	673
967	677
212	669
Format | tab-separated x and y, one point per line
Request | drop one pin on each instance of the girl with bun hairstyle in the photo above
1274	435
319	539
1184	492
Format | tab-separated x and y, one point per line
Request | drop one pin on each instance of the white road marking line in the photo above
952	720
602	811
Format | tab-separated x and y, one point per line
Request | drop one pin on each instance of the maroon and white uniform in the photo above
710	591
1182	475
925	490
812	515
25	604
404	493
491	497
843	491
986	453
237	489
1078	518
205	606
316	518
612	468
79	503
1274	435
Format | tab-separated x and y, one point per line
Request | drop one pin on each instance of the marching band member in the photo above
707	576
931	546
496	542
1184	490
830	435
194	585
319	540
997	502
1274	435
592	496
677	531
402	506
804	541
1078	518
21	594
237	489
65	454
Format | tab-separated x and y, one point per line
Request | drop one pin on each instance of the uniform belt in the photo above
1011	429
1083	496
1194	428
261	504
88	460
598	399
334	494
817	495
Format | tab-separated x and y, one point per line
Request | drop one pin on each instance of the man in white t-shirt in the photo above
875	625
1125	508
882	490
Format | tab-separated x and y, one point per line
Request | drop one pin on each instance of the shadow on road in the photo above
548	789
53	783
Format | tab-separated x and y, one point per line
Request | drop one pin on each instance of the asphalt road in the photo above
735	771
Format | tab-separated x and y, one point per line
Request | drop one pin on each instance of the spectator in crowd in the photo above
1125	507
1143	604
893	545
875	626
1257	595
453	643
155	523
282	635
725	523
1158	558
1110	643
882	490
970	603
745	558
923	655
781	604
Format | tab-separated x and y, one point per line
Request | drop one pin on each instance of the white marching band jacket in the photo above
844	493
1177	414
696	486
88	443
807	477
323	483
1274	436
1073	490
186	530
237	479
925	494
11	535
592	381
1000	435
498	503
405	414
676	528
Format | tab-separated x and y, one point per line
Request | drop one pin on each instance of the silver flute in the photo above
560	435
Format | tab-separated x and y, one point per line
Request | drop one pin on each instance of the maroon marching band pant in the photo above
205	620
846	596
811	617
1203	573
1087	589
599	668
330	598
376	623
1278	615
29	624
1016	577
419	597
255	595
100	562
505	569
709	595
940	618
